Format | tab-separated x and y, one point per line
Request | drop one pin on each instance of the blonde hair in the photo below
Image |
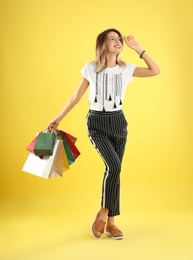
101	50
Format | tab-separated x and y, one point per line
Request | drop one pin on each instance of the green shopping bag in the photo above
44	145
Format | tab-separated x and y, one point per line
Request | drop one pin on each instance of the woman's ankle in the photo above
110	221
103	213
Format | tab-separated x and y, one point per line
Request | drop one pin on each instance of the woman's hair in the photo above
101	50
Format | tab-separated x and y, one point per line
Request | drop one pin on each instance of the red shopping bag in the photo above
69	139
72	138
31	145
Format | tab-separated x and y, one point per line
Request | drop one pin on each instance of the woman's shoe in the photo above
98	227
114	232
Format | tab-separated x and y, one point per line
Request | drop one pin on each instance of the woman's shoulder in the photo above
90	66
89	69
129	66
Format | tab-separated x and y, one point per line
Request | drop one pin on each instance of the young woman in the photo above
108	78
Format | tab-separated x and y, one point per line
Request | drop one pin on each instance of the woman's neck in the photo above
111	61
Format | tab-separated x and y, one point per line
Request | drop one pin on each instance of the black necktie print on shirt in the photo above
108	88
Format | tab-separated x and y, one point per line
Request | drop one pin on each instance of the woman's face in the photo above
114	43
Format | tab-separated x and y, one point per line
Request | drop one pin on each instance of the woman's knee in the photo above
115	168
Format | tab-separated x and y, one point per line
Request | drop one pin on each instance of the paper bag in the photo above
44	144
48	166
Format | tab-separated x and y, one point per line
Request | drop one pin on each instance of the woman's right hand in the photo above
132	43
53	125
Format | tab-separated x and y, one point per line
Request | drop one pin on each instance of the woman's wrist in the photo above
57	119
139	51
141	55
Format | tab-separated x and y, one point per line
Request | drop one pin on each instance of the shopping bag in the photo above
68	152
75	152
44	144
31	145
48	166
65	159
72	138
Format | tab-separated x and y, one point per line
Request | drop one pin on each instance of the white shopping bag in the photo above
48	166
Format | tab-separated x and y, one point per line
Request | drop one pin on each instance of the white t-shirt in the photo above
107	88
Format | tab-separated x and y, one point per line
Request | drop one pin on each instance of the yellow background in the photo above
44	44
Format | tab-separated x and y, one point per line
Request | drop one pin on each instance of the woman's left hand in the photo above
132	43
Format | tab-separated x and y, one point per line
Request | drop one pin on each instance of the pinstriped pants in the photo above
108	134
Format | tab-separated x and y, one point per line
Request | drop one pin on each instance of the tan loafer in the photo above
98	227
114	232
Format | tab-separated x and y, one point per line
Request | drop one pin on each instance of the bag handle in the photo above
54	130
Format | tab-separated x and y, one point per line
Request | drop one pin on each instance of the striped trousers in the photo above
108	134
